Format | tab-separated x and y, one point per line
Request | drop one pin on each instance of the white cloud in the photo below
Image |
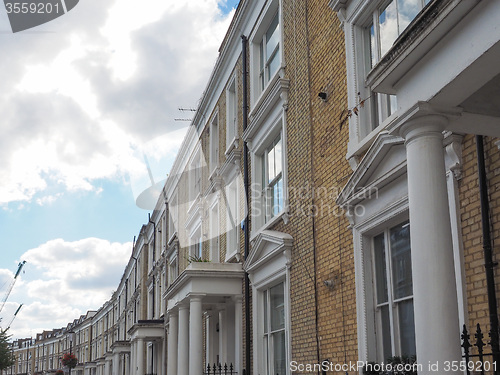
67	279
78	101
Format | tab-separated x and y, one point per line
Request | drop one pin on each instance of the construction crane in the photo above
14	317
9	289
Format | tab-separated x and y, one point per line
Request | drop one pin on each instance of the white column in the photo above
116	364
133	368
183	348
173	329
238	334
222	337
195	336
434	285
140	356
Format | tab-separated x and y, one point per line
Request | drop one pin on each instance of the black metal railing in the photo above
479	356
219	369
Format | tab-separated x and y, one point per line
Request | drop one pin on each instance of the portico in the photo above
210	292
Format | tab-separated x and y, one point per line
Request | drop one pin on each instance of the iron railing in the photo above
483	359
219	369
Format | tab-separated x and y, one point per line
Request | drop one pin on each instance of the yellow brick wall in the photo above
317	145
470	211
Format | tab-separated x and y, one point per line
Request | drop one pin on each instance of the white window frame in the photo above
173	210
173	268
363	234
214	144
268	184
231	114
376	112
392	302
232	219
259	287
214	229
268	344
196	243
260	213
263	24
195	177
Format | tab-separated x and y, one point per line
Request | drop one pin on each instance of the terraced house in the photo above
334	202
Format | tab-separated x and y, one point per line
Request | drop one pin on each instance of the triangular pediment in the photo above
384	161
267	245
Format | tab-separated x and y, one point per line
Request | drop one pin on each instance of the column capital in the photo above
195	297
428	125
182	306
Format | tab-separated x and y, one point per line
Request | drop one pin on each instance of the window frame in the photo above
214	142
195	176
392	301
173	212
214	228
267	135
231	114
269	13
376	111
268	335
232	219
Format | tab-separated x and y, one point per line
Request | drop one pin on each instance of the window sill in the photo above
356	150
234	255
233	144
283	215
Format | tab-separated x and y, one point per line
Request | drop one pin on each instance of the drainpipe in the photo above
246	182
489	264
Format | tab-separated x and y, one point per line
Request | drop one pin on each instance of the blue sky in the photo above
84	98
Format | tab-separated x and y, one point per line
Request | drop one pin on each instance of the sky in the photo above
85	101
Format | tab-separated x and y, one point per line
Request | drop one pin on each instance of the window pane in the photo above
380	269
266	311
274	64
407	11
401	261
277	307
277	198
266	354
386	332
388	24
271	171
277	151
279	352
393	104
407	327
272	37
373	55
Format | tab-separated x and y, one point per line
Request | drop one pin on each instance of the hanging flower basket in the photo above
69	360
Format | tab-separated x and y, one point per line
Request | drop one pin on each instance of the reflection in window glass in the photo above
269	52
407	11
373	55
272	179
394	292
274	339
388	23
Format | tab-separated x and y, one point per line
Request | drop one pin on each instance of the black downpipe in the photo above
489	264
246	182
